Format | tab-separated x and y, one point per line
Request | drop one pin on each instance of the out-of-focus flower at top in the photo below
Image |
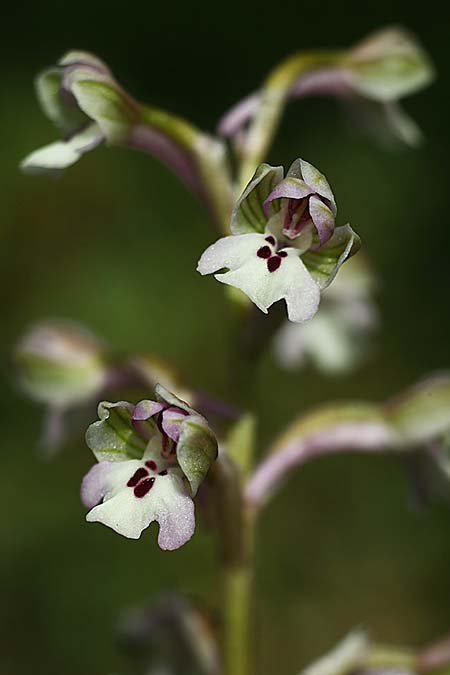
60	363
152	458
87	105
388	65
284	243
372	77
81	96
337	337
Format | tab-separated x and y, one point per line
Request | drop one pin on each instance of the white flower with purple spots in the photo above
152	459
284	244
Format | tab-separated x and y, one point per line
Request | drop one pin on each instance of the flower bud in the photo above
60	363
422	414
88	106
388	65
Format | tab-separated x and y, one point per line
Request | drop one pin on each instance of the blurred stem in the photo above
238	581
201	161
275	93
392	657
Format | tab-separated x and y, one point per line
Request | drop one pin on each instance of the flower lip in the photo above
272	253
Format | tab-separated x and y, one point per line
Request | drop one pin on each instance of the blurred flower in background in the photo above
338	337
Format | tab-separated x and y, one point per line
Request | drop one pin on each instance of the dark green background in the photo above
114	244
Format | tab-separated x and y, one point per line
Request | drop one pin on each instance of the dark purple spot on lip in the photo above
136	477
163	472
151	465
282	254
273	263
264	252
271	240
144	487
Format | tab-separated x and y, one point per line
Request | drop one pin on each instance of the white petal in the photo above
231	252
290	281
62	154
106	479
167	502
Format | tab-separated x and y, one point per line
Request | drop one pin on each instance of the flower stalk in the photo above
275	94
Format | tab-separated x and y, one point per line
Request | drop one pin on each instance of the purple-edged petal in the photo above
317	182
172	419
144	410
166	502
169	399
101	479
322	218
290	188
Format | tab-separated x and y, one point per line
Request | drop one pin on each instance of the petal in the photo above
324	263
401	125
197	449
106	478
171	400
290	281
142	417
231	252
61	110
322	218
104	102
249	214
171	422
81	58
290	188
167	503
389	64
113	437
316	180
59	155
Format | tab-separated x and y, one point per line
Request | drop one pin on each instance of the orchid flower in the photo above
152	458
372	77
81	96
284	243
336	338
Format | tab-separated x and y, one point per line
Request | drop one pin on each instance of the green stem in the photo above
388	656
274	95
238	582
208	155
